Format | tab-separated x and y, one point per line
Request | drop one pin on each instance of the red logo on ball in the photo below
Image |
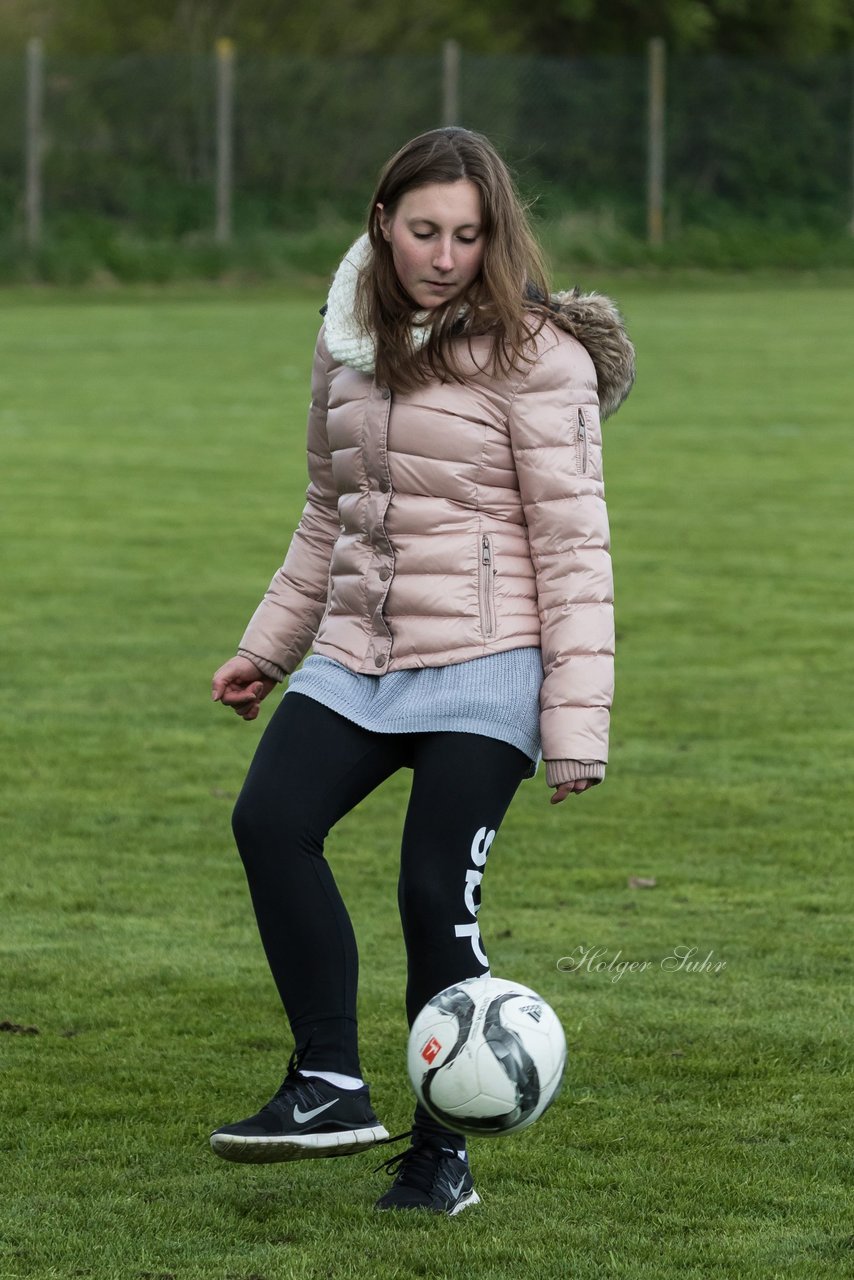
430	1049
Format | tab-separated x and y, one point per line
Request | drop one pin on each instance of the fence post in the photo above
34	140
451	82
655	143
224	137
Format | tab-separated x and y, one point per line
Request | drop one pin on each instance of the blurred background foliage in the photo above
556	27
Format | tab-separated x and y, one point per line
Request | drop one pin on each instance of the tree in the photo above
725	26
337	27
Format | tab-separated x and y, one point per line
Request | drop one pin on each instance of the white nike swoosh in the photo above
455	1191
302	1116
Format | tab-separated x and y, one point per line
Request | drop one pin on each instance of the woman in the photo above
451	574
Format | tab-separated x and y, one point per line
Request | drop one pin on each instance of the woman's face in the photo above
437	240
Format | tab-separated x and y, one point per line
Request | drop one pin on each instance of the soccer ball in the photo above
486	1056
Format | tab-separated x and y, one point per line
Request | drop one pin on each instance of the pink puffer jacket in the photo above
461	520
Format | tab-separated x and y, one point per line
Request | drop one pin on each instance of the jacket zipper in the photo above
582	443
486	592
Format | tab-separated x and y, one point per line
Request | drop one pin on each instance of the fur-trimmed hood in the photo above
592	318
596	322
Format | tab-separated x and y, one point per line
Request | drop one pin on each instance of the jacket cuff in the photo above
558	771
266	667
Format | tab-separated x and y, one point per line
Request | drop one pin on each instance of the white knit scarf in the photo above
347	342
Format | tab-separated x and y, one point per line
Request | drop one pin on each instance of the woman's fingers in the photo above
240	685
245	702
569	788
237	677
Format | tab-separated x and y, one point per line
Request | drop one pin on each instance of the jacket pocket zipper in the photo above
487	600
581	443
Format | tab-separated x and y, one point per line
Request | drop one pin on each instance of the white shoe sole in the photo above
295	1146
474	1198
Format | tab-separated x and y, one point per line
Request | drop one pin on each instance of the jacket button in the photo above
384	486
386	393
385	574
379	660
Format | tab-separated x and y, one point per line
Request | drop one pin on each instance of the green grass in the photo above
153	470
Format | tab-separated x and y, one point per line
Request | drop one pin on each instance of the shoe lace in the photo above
415	1166
294	1063
292	1079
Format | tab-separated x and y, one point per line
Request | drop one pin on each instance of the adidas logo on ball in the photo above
534	1011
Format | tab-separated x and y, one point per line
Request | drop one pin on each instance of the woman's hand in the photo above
566	788
240	685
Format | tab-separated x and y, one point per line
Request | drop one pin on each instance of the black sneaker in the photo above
308	1118
428	1177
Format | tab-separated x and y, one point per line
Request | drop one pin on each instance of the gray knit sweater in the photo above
497	696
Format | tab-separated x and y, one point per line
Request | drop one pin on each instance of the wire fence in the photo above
173	146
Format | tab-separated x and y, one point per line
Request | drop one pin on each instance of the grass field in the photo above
152	472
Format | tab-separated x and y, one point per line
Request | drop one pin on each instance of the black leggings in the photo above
313	766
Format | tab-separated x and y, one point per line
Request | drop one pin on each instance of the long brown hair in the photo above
511	281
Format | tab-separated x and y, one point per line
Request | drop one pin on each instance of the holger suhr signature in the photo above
681	959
